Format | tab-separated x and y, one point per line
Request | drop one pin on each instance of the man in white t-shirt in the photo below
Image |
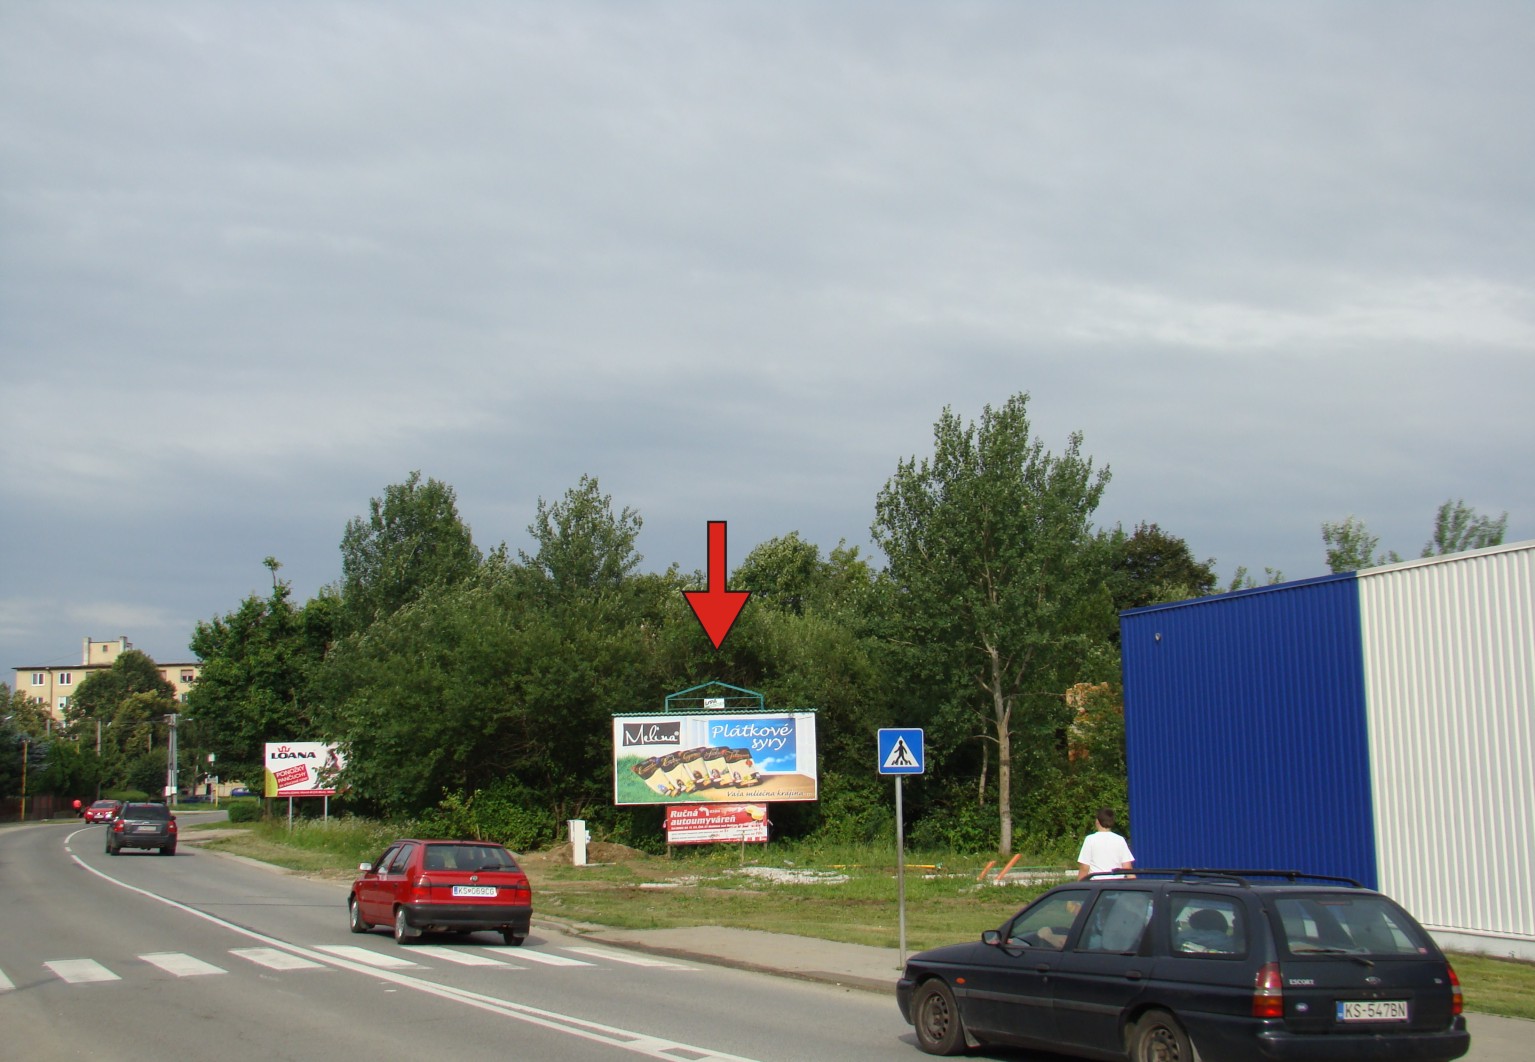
1104	850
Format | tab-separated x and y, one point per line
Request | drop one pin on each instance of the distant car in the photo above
1178	965
102	811
242	792
420	886
142	826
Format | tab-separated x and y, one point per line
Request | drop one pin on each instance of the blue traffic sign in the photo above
900	750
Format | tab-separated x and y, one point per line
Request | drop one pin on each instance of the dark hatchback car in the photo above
142	826
421	886
1175	965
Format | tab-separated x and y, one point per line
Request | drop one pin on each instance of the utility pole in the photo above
170	767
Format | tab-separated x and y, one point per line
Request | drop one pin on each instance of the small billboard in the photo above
301	769
707	758
716	823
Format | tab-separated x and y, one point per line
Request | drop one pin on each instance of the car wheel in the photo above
354	916
1158	1037
403	933
169	849
513	939
111	848
939	1028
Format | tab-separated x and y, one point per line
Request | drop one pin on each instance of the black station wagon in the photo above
1176	965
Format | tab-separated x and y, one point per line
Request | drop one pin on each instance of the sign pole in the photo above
900	866
900	752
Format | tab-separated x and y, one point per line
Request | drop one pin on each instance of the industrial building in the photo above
1378	725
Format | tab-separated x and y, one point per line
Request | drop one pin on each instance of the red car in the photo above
421	886
103	811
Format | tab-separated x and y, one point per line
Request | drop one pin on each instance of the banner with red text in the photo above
716	823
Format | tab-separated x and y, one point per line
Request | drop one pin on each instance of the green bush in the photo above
244	811
505	812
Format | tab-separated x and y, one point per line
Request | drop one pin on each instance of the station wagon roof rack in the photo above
1234	877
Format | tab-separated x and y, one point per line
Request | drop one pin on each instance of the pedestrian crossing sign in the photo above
900	750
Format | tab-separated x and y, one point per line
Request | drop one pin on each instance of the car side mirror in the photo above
366	868
992	937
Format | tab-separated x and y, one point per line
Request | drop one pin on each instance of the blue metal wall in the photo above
1246	732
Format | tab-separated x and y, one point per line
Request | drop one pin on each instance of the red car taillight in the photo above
173	826
1457	999
1268	993
117	827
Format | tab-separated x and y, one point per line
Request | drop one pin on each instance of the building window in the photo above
39	678
63	703
188	676
66	678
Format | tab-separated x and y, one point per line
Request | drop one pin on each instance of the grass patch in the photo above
842	894
1496	986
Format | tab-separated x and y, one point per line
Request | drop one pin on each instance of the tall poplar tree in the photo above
998	570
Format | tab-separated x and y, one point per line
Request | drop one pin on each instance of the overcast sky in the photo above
258	261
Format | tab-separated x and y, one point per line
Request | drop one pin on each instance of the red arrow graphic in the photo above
716	607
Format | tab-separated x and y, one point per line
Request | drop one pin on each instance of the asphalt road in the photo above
142	956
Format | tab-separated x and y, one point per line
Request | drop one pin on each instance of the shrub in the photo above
244	811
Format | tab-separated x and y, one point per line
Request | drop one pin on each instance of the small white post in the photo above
578	839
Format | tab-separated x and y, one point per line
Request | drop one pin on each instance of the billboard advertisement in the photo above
714	823
301	769
725	758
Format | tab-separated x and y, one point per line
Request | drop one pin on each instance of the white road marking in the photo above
273	959
174	962
5	982
80	971
366	955
596	1032
462	957
548	958
630	958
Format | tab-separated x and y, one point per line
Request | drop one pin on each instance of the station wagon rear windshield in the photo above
1354	925
146	811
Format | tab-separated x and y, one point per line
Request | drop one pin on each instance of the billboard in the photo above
724	758
713	823
301	769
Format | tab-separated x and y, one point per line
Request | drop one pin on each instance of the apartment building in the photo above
53	684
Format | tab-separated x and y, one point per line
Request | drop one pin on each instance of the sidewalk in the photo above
1493	1039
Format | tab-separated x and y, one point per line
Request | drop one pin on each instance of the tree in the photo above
582	545
254	683
412	541
1152	566
995	566
101	693
1350	546
1457	528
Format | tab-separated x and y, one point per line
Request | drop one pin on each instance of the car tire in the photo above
169	849
403	931
512	938
111	848
354	916
935	1015
1157	1037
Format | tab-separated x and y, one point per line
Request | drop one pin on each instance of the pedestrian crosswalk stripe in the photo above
173	962
80	971
545	958
365	955
5	982
629	958
276	959
460	956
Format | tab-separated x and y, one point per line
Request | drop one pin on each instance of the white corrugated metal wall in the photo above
1449	662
